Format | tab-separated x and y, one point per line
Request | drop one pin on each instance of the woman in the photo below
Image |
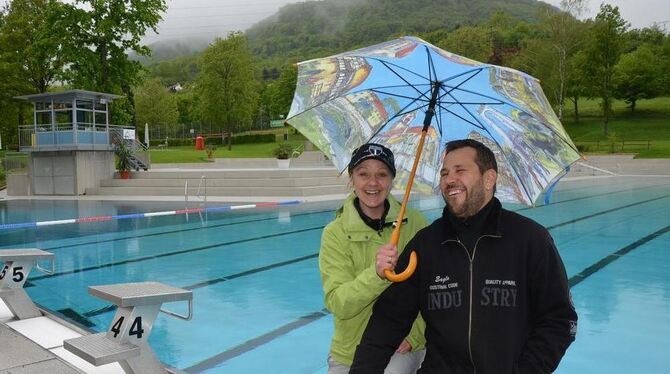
354	253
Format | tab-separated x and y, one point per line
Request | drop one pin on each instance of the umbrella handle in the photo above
393	277
395	235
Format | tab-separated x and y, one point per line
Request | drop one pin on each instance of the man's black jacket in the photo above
505	309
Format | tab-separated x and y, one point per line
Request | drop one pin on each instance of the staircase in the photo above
260	182
137	163
140	158
309	175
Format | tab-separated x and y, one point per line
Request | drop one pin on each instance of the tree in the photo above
637	76
179	70
474	42
563	31
155	105
31	41
575	84
101	32
226	89
665	65
28	63
603	52
653	36
283	90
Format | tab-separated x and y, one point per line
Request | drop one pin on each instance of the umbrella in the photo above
391	93
146	134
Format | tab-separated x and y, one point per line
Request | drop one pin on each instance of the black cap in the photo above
372	151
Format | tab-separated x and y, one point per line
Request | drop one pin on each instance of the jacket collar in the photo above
491	224
352	221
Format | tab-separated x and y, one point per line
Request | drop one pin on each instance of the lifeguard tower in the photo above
71	144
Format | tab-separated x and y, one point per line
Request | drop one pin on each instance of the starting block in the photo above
17	266
126	341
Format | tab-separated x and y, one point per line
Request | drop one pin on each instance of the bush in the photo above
283	151
210	151
124	155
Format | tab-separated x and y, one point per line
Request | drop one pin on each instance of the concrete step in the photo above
232	182
308	181
221	191
235	174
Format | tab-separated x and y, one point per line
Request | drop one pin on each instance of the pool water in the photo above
258	304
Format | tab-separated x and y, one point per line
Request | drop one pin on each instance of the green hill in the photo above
317	28
312	29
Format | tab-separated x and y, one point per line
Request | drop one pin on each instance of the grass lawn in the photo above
629	133
189	154
649	122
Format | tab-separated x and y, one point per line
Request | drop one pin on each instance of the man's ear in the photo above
490	178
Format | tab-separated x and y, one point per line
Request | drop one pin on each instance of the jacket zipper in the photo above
472	260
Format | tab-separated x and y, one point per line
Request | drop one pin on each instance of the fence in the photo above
15	163
614	146
183	131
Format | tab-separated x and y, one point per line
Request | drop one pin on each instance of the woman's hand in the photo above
387	257
404	347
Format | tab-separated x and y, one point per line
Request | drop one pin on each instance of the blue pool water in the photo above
257	293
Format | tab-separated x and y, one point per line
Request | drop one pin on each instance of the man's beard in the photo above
474	201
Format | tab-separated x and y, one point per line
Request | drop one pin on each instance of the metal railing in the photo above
614	146
15	163
141	158
64	136
200	194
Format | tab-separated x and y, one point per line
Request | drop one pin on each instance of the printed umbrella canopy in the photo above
379	93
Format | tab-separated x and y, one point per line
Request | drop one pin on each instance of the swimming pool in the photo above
257	293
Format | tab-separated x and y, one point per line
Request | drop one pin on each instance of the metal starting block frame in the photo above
17	266
126	340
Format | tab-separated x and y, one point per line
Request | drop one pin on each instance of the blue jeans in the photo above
401	363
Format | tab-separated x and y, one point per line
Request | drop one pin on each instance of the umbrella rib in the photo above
475	73
388	66
398	114
477	125
500	101
431	66
505	102
402	113
439	118
458	88
414	99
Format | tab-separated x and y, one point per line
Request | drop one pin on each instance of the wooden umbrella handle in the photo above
395	236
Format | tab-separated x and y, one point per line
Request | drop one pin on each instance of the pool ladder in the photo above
200	195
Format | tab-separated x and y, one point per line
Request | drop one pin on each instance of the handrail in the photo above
201	186
181	316
140	159
46	271
197	193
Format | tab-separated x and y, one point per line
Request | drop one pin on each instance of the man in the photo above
490	284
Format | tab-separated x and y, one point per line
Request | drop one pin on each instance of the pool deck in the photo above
35	345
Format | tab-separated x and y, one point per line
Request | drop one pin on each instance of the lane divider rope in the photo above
105	218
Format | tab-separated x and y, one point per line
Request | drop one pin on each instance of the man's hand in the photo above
387	257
